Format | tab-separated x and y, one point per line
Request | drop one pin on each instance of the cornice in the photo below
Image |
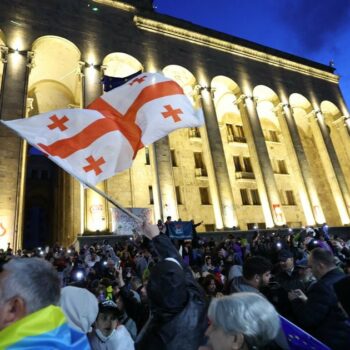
235	49
117	4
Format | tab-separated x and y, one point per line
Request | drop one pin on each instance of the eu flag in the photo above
299	339
110	83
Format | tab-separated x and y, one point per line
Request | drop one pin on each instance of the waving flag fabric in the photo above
94	144
299	339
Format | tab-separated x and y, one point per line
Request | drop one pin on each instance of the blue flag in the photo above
299	339
110	83
180	229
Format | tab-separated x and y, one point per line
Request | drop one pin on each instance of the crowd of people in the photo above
152	292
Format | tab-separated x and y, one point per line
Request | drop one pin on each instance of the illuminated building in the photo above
275	149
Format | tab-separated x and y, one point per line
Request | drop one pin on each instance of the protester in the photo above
127	287
108	334
29	315
317	312
241	321
80	307
256	274
342	289
177	303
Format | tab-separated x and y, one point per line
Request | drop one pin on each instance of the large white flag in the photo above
96	143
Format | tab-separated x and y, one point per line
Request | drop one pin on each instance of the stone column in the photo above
13	105
95	206
331	165
257	145
165	179
341	124
253	152
300	167
218	160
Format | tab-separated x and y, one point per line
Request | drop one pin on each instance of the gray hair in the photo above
32	279
247	313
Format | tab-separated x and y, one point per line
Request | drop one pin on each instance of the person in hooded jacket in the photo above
177	303
73	303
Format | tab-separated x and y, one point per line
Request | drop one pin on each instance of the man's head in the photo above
26	285
286	260
321	262
107	319
257	271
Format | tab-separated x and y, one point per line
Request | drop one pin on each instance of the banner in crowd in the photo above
299	339
124	225
180	229
96	143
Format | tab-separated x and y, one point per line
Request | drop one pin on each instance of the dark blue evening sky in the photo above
317	30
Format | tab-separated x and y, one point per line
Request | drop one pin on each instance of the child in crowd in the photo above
108	334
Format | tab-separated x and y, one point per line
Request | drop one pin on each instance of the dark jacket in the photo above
177	304
138	311
321	316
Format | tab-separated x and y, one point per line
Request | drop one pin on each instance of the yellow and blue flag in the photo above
43	330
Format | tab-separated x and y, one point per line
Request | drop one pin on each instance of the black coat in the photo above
321	316
178	315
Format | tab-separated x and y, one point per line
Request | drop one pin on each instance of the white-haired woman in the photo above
241	321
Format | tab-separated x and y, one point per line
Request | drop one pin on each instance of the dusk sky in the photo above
317	30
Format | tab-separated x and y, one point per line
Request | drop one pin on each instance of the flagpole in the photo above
114	202
108	198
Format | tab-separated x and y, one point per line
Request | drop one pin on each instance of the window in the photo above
173	158
247	165
244	196
194	132
147	156
204	193
255	197
235	133
199	164
150	193
236	161
282	169
290	198
273	136
178	195
229	129
198	160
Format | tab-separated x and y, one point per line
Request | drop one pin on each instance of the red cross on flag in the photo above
96	143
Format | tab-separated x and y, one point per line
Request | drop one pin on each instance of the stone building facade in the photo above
274	151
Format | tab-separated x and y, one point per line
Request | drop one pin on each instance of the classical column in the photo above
340	125
253	153
225	200
13	149
95	206
342	198
300	168
165	178
331	163
257	146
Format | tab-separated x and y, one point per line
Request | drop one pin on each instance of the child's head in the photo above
107	319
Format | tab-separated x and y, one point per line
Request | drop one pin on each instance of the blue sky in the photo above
317	30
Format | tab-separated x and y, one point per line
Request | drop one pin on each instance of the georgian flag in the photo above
96	143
